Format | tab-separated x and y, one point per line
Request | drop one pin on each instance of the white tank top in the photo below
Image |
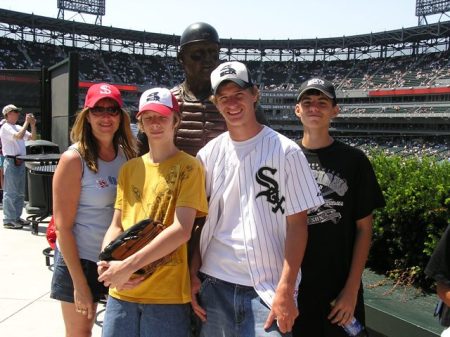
96	205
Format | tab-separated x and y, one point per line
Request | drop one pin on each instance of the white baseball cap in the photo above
233	71
10	107
160	100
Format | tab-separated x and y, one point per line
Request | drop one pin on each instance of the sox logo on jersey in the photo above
272	193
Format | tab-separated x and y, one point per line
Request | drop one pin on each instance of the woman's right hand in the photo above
84	303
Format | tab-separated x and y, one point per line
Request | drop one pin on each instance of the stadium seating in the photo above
121	67
423	70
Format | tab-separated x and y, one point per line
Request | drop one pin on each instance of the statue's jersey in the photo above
201	121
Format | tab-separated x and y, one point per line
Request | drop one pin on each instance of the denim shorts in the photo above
132	319
62	285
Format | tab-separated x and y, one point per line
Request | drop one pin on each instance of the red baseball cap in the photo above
102	90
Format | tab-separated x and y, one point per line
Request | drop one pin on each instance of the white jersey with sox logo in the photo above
273	181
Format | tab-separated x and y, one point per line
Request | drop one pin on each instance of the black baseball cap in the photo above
324	86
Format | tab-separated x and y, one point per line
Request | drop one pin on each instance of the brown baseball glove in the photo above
131	241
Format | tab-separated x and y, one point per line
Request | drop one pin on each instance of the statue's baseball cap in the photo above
324	86
10	107
160	100
99	91
234	71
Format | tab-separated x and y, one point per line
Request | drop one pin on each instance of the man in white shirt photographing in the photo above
13	137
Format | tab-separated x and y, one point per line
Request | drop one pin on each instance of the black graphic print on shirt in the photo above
333	189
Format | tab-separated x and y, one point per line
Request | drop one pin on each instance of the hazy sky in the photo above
247	19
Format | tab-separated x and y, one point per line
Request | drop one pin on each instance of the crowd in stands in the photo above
427	69
373	110
437	147
94	65
405	147
12	57
406	110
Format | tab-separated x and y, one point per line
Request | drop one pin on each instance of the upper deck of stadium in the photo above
411	40
389	83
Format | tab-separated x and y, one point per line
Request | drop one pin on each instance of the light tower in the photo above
430	7
92	7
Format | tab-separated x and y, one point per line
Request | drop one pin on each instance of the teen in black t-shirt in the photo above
339	232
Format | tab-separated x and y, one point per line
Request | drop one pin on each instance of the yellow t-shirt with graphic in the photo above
149	190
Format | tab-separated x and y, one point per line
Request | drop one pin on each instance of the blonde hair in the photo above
81	133
176	121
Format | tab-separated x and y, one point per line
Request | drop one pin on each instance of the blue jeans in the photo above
13	190
233	310
145	320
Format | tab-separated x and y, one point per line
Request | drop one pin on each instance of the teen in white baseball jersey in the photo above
254	237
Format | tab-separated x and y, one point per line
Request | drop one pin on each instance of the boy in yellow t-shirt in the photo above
168	185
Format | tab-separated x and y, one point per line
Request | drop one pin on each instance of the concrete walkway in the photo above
26	310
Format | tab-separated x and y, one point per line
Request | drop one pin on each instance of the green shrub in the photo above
417	193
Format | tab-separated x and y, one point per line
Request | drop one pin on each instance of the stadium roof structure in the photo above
72	27
408	40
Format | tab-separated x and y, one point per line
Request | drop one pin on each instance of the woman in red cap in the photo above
84	190
166	185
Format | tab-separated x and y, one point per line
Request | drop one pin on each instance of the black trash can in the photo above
34	184
41	146
42	207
